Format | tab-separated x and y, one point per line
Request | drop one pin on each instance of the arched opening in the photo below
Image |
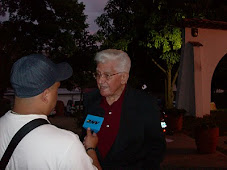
219	84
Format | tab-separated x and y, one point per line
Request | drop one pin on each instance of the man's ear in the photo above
124	78
45	96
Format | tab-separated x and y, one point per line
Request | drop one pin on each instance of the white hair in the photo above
121	58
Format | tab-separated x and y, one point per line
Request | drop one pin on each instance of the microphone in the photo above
93	122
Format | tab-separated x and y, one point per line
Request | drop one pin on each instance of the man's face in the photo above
109	86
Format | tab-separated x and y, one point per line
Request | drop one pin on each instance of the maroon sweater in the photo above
110	124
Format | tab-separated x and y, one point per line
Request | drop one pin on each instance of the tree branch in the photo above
175	76
159	66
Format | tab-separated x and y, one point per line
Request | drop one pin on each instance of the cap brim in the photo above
64	71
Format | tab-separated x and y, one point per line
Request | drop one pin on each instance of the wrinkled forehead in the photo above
109	66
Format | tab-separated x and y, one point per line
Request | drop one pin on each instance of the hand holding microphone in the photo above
92	124
90	140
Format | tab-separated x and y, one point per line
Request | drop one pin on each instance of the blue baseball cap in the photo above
32	74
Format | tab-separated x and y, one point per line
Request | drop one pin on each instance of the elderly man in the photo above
130	136
36	80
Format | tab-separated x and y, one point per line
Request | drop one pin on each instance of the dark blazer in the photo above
140	143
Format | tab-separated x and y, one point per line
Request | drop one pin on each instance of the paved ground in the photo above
182	154
181	149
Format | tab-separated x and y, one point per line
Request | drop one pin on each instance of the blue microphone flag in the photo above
93	122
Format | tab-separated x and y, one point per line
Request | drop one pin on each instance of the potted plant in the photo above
206	134
174	119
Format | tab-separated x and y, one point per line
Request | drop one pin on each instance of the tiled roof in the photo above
204	23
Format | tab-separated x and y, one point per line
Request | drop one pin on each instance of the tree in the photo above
121	26
49	26
116	24
55	28
157	33
153	24
165	35
84	65
169	41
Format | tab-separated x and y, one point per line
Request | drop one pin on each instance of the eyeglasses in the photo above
105	75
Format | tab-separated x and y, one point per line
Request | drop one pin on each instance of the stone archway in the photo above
219	85
205	43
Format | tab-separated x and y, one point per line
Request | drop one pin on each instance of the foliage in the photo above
167	39
221	119
55	28
206	9
153	24
216	118
155	35
83	63
207	121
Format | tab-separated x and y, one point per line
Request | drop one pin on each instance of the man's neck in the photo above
25	112
27	106
111	99
24	109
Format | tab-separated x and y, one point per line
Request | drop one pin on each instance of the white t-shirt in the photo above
44	148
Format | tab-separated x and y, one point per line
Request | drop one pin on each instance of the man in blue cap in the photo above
35	80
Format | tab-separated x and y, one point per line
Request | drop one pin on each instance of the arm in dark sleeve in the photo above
84	114
155	143
91	103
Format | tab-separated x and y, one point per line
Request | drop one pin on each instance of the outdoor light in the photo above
194	32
